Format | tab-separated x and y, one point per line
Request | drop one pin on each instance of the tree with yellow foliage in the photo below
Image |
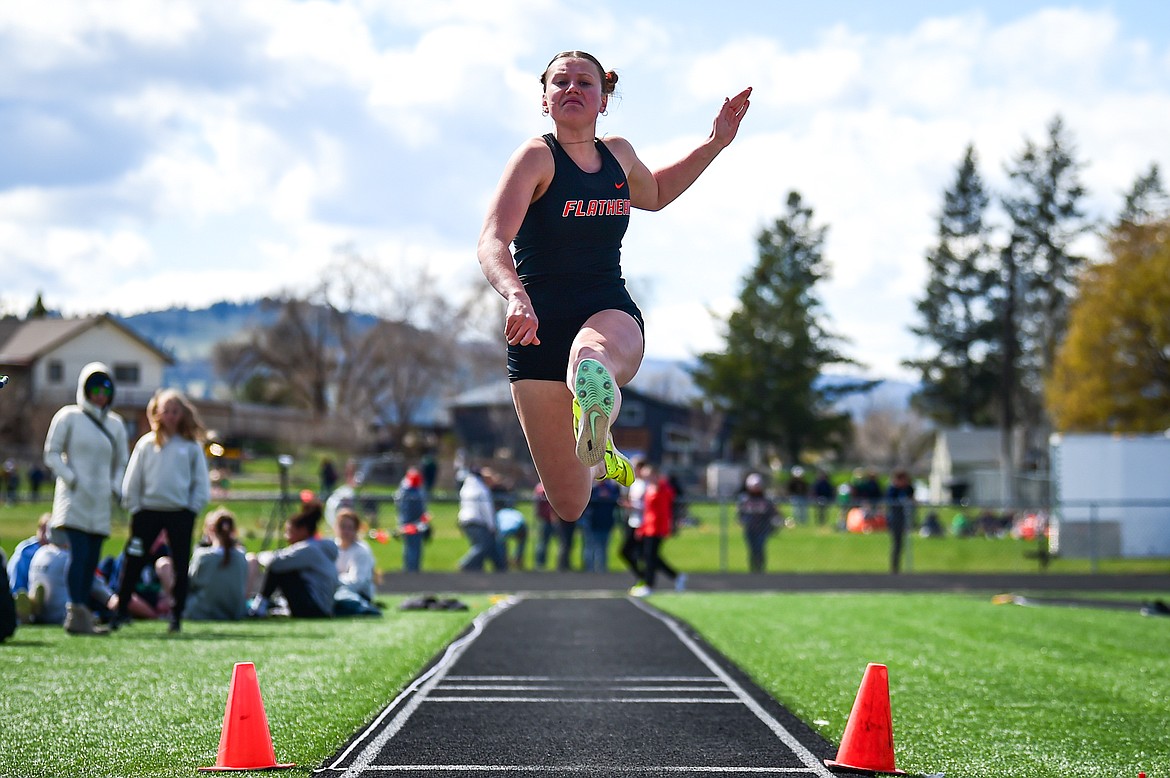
1112	373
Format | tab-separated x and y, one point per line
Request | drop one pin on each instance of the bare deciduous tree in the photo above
369	344
889	437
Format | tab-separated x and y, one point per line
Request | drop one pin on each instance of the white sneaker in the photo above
640	590
258	607
680	583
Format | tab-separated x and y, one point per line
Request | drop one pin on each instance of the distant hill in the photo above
671	380
190	335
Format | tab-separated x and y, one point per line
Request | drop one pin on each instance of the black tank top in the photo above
568	250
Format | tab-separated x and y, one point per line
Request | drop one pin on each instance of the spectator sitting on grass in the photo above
23	553
355	561
48	582
152	594
304	572
219	573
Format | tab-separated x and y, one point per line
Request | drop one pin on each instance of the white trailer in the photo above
1112	495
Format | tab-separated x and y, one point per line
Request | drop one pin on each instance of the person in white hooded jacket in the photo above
86	449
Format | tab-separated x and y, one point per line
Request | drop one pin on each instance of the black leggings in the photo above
652	562
632	551
145	527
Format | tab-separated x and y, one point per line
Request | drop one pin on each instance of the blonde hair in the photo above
190	425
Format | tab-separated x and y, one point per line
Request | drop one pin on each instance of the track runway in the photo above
581	686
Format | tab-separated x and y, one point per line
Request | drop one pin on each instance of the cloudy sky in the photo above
159	152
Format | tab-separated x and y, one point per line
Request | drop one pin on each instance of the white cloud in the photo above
226	150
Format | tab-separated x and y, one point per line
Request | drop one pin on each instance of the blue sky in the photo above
184	152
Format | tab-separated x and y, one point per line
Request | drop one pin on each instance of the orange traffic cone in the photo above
244	743
868	742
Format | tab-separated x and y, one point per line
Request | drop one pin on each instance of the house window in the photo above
633	414
677	438
56	371
126	374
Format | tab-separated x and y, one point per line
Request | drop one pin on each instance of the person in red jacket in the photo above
657	526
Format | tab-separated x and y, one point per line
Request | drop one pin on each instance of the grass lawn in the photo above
145	703
714	545
977	690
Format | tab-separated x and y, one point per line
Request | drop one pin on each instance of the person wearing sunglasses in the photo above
87	450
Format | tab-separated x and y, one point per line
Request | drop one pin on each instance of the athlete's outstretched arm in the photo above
527	172
653	191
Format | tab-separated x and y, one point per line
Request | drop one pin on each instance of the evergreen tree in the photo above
38	310
1146	201
768	379
958	311
1046	219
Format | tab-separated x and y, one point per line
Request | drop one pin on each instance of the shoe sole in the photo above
595	395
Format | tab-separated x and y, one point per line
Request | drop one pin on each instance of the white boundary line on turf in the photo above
422	684
806	756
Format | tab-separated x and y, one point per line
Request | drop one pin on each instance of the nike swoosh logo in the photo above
593	428
619	185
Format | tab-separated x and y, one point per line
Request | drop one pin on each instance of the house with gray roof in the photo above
44	356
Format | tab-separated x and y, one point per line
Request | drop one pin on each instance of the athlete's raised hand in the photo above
727	121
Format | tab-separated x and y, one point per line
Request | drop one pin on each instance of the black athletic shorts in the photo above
550	360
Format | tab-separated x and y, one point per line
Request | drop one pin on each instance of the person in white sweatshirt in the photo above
86	450
166	485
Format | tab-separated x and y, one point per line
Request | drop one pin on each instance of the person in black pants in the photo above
305	571
635	501
899	515
166	485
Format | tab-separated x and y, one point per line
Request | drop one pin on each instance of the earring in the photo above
605	112
544	111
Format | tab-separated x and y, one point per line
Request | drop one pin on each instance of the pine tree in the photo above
768	378
1146	201
1046	219
958	310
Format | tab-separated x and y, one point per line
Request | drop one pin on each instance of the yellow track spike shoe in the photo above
617	466
594	392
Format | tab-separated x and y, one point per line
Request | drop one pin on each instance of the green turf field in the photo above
145	703
977	690
714	545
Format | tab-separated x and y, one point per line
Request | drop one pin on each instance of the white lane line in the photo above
575	700
584	679
489	687
422	685
815	765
